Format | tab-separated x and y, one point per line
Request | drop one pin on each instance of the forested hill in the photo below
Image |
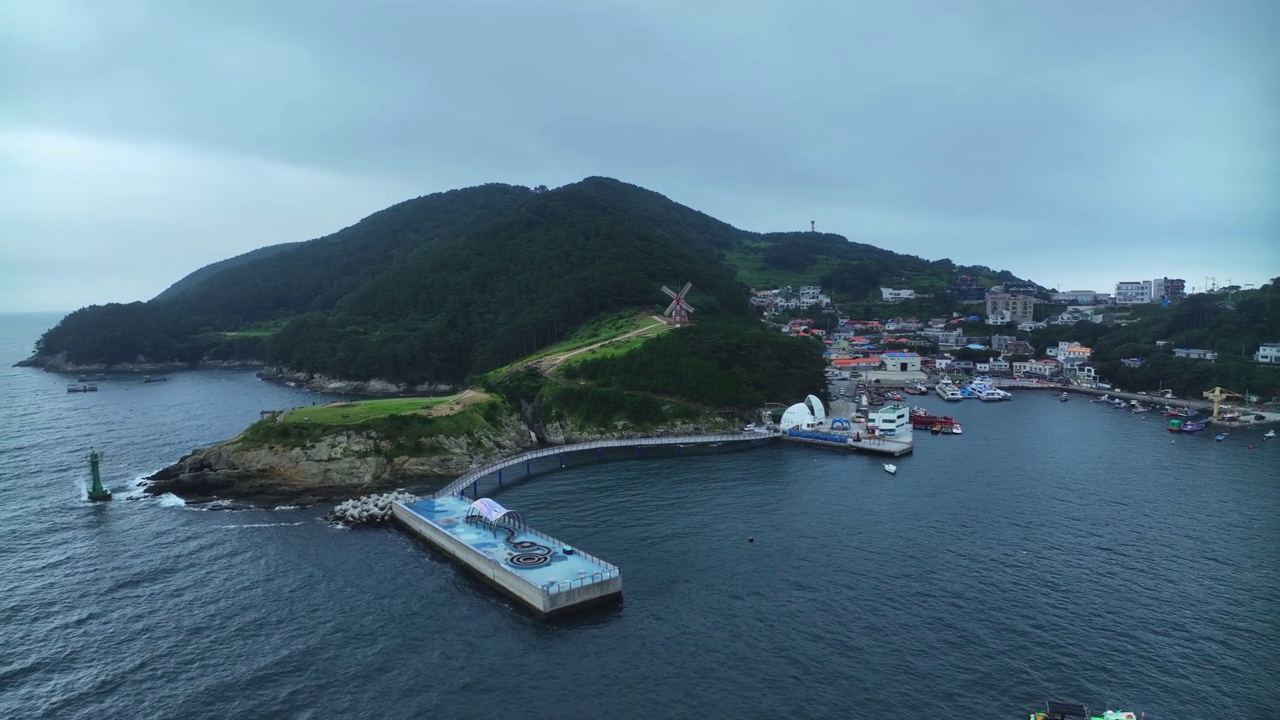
208	271
443	286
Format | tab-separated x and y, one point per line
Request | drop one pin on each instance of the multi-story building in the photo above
891	295
1268	353
1078	297
1020	287
1136	292
1021	308
968	288
1168	289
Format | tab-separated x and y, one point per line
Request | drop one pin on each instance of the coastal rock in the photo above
347	462
368	510
325	384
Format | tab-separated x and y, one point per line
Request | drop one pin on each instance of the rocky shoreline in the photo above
350	463
61	364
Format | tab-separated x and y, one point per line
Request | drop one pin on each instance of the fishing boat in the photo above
82	388
1269	434
891	469
936	429
1076	711
1140	409
1064	398
957	428
1220	437
1103	399
1192	426
153	379
1183	413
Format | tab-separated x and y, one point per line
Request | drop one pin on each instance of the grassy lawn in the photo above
598	330
612	349
359	411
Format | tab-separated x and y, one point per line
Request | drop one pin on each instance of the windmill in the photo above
679	308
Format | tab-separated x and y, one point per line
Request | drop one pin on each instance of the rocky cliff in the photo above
348	462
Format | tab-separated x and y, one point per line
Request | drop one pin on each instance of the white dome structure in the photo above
815	405
797	415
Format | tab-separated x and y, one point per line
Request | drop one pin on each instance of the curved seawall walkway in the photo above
465	481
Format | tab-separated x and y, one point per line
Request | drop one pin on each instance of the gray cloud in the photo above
1096	140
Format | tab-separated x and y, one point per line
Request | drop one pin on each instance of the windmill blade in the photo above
686	305
670	308
669	291
685	291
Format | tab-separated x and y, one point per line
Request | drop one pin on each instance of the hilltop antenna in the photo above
812	223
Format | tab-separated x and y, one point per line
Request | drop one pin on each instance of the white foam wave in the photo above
287	507
256	525
170	500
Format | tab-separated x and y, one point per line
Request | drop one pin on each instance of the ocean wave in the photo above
170	500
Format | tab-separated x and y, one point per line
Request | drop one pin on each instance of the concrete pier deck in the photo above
542	573
894	447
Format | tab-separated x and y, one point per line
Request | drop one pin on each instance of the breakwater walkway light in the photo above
97	492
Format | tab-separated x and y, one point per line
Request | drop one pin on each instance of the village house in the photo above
1195	354
901	361
1267	353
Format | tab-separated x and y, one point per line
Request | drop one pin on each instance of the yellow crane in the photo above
1217	395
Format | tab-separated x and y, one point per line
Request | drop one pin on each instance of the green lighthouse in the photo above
97	492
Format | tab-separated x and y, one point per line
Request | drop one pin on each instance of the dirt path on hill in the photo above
466	399
547	364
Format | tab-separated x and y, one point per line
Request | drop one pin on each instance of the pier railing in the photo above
460	485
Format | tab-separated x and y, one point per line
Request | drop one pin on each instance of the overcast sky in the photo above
1076	143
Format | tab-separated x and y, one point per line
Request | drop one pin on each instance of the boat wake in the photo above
256	525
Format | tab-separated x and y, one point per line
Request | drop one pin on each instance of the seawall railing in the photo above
466	480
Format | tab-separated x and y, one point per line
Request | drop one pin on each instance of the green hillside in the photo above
447	286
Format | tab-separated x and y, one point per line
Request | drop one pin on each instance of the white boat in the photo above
957	429
948	392
1270	434
891	469
1104	398
1140	409
1064	397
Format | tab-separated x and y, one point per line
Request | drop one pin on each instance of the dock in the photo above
541	573
876	444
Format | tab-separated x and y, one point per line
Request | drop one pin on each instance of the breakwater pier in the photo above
546	575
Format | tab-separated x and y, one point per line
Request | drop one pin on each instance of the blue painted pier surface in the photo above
531	567
511	559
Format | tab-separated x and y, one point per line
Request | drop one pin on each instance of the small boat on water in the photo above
1184	413
82	388
152	378
1220	437
1192	426
957	429
1076	711
891	469
1140	409
1103	399
1064	398
91	378
1269	434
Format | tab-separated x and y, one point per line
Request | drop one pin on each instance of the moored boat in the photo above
949	392
1269	434
1192	427
82	388
1220	437
891	469
1064	398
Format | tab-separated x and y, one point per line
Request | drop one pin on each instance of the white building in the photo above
1083	297
1195	353
1029	326
1133	293
1268	353
891	295
889	421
